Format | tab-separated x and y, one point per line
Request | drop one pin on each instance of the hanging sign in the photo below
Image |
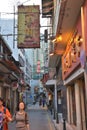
28	26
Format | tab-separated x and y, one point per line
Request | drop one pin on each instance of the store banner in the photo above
29	26
38	66
15	85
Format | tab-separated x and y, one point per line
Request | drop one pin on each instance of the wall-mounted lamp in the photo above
80	39
54	40
51	54
57	39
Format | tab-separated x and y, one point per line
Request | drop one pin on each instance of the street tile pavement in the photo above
11	125
59	126
36	107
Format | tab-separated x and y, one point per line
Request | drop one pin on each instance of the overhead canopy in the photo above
54	61
47	8
51	82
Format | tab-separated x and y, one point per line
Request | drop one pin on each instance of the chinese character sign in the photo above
28	27
38	66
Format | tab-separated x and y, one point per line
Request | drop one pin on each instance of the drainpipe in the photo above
57	119
54	109
56	103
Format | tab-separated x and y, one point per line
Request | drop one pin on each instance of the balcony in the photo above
68	14
65	17
47	8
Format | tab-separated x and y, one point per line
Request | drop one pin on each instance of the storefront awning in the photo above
51	82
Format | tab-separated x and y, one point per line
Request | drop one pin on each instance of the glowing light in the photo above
81	39
51	54
54	40
59	38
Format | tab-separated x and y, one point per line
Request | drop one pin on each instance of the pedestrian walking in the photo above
44	101
21	118
5	116
40	101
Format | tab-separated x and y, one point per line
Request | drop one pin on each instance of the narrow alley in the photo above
43	61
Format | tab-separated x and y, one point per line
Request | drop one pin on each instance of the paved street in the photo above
39	118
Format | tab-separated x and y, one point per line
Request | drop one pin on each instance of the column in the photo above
85	75
82	106
55	97
78	106
55	100
0	91
68	104
1	86
71	106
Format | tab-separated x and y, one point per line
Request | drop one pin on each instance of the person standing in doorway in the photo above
5	116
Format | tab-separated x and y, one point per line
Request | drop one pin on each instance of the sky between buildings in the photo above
6	12
7	9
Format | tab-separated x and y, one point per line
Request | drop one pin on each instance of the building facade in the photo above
21	65
9	75
70	24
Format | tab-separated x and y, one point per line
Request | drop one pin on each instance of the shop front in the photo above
51	86
76	107
73	49
73	64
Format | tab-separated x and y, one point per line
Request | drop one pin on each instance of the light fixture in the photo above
57	39
54	40
81	39
51	54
